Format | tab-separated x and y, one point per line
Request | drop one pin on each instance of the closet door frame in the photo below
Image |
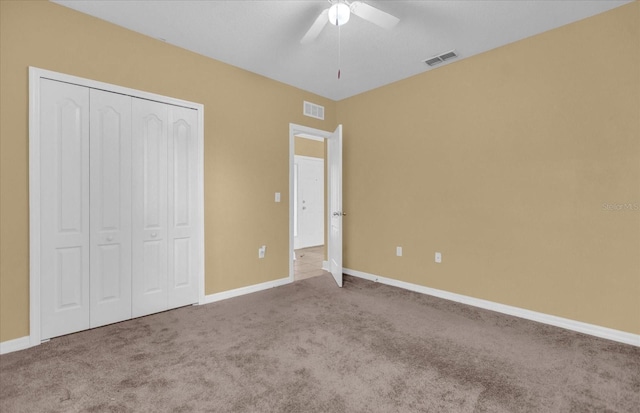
35	75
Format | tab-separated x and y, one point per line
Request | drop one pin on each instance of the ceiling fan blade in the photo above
316	27
375	16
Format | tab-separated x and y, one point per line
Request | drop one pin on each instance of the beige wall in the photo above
309	147
503	162
246	151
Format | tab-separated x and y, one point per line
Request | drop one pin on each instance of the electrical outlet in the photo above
262	251
438	257
399	251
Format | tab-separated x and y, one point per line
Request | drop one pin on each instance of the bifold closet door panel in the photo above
183	217
149	159
110	200
64	217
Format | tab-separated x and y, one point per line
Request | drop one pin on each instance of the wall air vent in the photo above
313	110
441	58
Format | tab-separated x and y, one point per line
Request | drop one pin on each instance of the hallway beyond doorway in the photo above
308	263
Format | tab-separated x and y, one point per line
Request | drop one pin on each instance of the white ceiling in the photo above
263	36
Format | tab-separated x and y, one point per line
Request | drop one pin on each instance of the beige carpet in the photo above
311	347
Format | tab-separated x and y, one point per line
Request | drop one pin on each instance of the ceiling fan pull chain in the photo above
339	52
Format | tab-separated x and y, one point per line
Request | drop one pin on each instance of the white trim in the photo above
212	298
23	343
308	133
34	206
585	328
17	344
107	87
200	201
35	74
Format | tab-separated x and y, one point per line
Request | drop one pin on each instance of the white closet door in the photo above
149	157
182	236
64	182
110	207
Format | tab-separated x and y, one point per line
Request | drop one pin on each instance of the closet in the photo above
119	219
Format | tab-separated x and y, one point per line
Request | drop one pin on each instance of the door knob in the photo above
153	235
109	238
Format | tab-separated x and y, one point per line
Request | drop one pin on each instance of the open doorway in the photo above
309	203
332	202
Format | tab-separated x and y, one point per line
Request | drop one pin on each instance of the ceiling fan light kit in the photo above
339	14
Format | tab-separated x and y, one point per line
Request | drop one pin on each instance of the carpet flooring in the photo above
312	347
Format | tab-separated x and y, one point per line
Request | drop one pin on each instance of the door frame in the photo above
309	133
35	74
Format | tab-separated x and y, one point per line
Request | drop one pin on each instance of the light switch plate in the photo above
277	196
399	251
438	257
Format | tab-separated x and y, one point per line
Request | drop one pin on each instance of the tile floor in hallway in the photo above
308	262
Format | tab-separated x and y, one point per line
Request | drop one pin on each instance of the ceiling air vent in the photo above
313	110
436	60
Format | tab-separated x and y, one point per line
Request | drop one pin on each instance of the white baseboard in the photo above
325	266
25	342
585	328
17	344
212	298
591	329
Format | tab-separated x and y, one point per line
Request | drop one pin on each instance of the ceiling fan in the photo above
340	11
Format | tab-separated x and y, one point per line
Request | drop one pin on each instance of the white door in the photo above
335	213
64	178
116	199
182	209
309	202
149	188
110	199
